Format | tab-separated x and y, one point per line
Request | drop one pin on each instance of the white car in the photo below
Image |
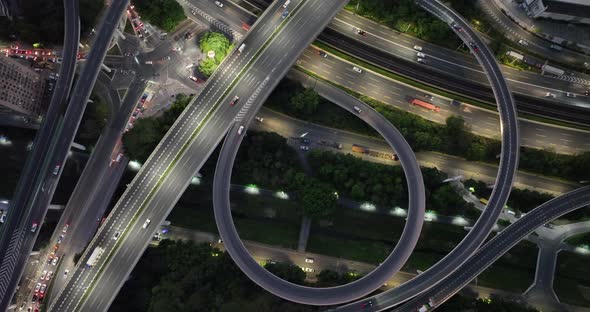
523	42
43	288
117	234
219	4
241	129
146	223
66	273
357	69
357	109
43	275
418	48
420	54
3	218
49	275
260	119
304	148
56	169
176	49
54	261
421	61
193	78
549	94
570	95
37	287
309	270
308	260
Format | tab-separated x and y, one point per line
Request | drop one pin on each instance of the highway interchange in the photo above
202	126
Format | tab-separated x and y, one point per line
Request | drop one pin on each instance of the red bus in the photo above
426	105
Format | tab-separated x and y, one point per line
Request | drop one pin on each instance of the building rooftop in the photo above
579	8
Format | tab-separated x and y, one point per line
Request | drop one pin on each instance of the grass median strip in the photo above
431	89
183	149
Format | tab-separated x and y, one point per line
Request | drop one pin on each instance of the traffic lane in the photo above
290	127
483	122
227	15
168	193
171	134
500	244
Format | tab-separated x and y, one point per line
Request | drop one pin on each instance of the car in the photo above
420	54
456	27
30	309
43	288
146	223
3	218
117	234
193	78
219	4
587	93
34	227
22	306
65	228
187	35
285	14
234	100
259	119
322	53
38	287
193	12
55	247
240	129
66	273
149	62
176	49
56	169
473	46
570	95
367	304
304	148
308	260
309	270
357	109
34	298
286	4
361	32
421	61
418	48
49	275
55	260
166	58
357	69
43	275
49	259
523	42
549	94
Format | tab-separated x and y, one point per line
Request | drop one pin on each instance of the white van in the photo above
286	4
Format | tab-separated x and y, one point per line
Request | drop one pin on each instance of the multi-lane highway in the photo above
16	239
450	70
331	295
502	186
483	122
165	175
499	245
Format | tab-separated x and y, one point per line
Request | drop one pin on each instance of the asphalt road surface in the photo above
499	245
165	175
331	295
16	240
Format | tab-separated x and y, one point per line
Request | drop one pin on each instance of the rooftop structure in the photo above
574	11
21	89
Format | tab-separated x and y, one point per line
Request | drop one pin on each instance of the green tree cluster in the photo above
217	42
94	119
463	303
406	16
383	184
305	102
165	14
142	139
184	276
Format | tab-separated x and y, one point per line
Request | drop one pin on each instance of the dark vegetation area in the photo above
42	21
164	14
183	276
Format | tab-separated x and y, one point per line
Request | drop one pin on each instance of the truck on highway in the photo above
426	105
552	70
364	150
94	256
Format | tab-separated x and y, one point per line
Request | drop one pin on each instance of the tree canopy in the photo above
165	14
218	43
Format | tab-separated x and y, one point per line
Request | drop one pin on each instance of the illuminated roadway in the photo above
498	246
331	295
183	150
16	240
502	186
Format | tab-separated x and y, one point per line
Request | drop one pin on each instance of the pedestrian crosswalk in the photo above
216	23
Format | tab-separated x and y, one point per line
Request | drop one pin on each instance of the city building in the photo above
22	90
573	11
